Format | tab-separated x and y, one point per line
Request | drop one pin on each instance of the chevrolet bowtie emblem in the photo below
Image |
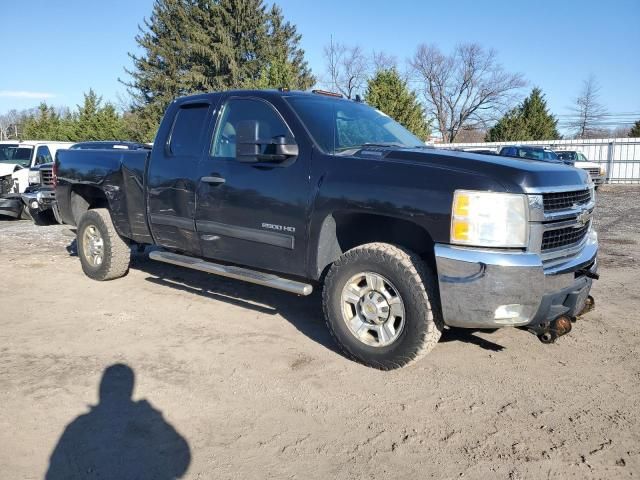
583	219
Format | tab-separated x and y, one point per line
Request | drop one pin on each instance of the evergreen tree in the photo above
191	46
510	127
635	130
541	125
91	121
47	124
389	93
285	66
164	70
530	120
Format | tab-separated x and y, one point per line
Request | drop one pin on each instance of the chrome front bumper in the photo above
489	289
40	200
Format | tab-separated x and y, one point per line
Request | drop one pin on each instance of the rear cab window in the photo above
188	129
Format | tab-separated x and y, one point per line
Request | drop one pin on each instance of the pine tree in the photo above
164	70
285	66
191	46
541	125
47	124
635	130
389	93
510	127
86	124
530	120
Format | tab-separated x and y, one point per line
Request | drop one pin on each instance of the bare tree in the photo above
588	112
467	89
383	61
347	68
10	124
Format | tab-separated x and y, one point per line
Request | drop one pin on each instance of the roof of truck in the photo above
281	92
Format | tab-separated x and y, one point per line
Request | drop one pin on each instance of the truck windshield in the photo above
340	125
6	151
16	154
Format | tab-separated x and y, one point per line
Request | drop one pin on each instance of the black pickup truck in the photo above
298	191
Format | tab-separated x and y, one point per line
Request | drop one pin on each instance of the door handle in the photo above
213	179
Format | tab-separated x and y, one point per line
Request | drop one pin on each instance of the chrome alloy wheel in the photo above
93	246
372	309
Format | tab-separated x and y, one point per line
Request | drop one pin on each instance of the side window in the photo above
43	155
188	130
582	158
235	111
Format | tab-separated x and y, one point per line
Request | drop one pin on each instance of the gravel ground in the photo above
239	381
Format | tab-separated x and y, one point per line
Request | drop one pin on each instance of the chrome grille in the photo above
564	237
556	201
594	172
47	176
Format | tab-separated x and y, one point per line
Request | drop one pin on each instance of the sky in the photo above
55	50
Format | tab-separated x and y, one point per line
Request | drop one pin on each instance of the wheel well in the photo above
86	197
343	231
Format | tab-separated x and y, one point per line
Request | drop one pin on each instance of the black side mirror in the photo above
247	142
250	148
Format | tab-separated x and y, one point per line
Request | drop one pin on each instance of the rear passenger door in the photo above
172	179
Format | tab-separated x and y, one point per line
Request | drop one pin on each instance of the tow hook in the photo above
589	305
588	273
549	332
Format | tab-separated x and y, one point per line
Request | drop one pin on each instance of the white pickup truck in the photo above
16	159
596	171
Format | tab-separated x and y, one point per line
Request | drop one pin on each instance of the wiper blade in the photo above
371	144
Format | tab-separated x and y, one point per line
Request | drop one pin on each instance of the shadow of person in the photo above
119	438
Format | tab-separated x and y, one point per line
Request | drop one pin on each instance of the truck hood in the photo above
8	168
514	174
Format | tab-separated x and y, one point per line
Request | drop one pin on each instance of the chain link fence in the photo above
620	157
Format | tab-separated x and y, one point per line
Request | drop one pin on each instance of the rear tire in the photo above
380	305
103	253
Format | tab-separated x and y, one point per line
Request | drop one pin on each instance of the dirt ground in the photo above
240	381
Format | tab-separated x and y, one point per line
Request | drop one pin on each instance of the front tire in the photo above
103	253
380	305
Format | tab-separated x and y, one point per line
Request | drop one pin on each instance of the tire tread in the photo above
118	257
424	293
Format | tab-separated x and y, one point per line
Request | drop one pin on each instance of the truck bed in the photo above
120	175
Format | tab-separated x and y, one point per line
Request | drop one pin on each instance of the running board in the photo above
230	271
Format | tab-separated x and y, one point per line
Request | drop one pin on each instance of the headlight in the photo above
34	177
603	172
489	219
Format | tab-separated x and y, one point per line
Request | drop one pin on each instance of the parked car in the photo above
578	160
298	191
17	158
531	153
39	196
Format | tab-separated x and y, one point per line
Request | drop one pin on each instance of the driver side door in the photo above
253	212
